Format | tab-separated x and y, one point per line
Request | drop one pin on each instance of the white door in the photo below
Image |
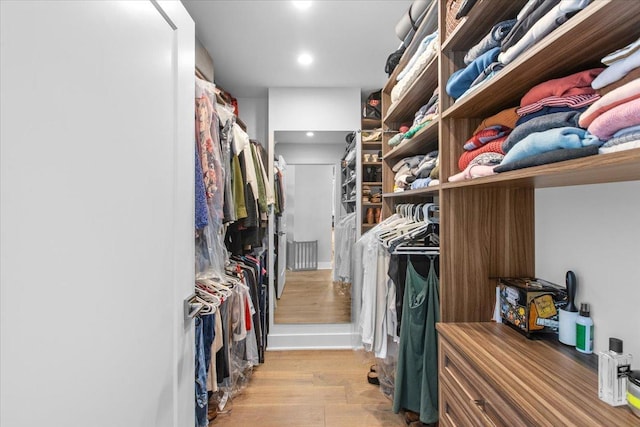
96	213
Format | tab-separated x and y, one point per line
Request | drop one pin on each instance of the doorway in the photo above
311	296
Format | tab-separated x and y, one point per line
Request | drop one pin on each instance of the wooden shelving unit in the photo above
371	172
487	224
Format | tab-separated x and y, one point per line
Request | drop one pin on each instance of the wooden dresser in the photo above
490	375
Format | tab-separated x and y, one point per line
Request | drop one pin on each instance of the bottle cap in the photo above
584	309
615	344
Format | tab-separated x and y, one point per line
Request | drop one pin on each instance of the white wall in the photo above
254	113
314	109
311	153
97	179
594	231
314	201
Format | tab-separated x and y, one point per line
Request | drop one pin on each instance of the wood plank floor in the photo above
312	297
314	388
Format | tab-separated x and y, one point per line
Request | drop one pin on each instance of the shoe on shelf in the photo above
369	215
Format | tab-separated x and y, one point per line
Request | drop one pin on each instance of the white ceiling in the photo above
255	44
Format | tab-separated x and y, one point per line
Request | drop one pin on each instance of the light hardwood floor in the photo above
319	388
312	297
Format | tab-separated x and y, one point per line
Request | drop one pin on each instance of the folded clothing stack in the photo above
410	169
508	39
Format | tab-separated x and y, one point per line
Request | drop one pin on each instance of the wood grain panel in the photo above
601	168
452	408
550	387
484	233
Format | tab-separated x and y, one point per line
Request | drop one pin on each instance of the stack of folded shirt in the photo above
418	62
410	169
615	117
508	39
548	130
483	151
570	93
535	21
481	60
425	115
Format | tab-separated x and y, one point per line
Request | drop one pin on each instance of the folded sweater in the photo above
557	16
491	40
461	80
494	146
623	94
505	118
552	139
617	70
540	124
574	84
548	157
619	117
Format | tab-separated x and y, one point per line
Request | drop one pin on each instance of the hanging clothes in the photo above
416	386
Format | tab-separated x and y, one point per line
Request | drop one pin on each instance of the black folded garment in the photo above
465	7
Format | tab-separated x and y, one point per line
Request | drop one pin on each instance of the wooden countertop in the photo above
552	385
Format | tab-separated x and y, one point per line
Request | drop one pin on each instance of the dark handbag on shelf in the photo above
393	60
371	108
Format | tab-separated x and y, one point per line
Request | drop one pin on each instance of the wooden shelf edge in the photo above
598	169
423	137
370	183
416	87
412	193
370	124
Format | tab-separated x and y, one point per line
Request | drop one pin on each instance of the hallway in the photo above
311	388
312	297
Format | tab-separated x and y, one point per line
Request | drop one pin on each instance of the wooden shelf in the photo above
415	97
372	183
422	142
530	382
376	144
371	163
602	168
371	124
601	27
372	204
481	18
412	193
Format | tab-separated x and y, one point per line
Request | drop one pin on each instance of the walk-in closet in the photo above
319	213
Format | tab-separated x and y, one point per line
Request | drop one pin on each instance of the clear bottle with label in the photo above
613	369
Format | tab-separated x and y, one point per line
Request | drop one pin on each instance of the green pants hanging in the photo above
416	384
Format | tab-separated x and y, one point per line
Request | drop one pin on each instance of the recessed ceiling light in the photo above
302	5
309	134
305	59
